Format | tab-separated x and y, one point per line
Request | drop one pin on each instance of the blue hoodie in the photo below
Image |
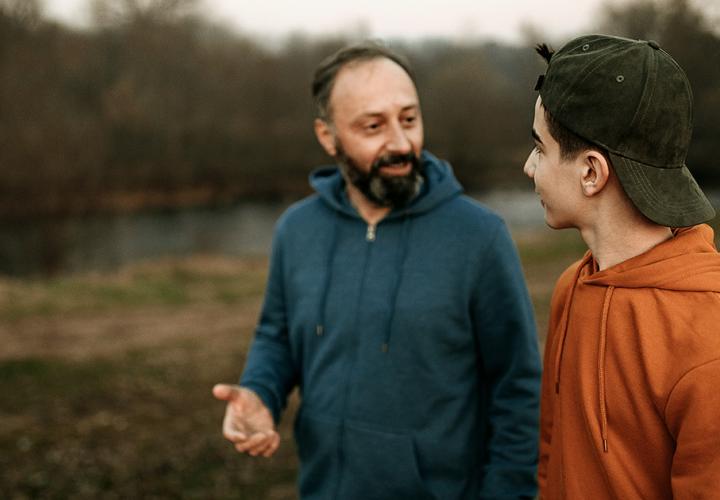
413	344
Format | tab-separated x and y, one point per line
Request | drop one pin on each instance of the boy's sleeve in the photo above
693	418
547	391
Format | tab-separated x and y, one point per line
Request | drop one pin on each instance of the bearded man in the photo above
399	308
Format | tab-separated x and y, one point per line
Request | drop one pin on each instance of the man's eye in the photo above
372	126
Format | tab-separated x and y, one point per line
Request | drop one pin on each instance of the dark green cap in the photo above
632	99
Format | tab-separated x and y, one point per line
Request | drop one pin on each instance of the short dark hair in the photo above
570	143
328	69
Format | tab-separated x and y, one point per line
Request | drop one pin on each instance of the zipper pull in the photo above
370	235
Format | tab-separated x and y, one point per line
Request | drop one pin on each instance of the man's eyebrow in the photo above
370	114
536	136
380	114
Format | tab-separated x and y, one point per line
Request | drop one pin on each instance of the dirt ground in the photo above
81	337
105	380
114	401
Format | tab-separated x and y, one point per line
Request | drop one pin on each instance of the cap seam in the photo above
687	87
645	186
653	165
583	73
645	99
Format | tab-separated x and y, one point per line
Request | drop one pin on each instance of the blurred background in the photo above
146	149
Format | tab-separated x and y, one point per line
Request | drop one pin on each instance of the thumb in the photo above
226	392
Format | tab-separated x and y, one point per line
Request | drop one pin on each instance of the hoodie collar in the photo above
686	262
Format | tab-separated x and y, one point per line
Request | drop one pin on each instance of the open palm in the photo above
248	423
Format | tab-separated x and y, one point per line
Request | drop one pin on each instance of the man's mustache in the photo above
388	160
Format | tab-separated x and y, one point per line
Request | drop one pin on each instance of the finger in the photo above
263	447
256	440
234	436
230	429
275	444
226	392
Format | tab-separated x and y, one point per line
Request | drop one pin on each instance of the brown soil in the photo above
79	337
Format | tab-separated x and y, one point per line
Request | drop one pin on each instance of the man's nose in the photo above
530	165
398	140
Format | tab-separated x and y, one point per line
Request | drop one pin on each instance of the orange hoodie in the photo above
630	403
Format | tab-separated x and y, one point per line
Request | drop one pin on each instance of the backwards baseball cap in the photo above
632	99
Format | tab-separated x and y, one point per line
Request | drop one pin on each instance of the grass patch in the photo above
142	423
545	254
174	283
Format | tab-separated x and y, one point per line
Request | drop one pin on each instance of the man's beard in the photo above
384	191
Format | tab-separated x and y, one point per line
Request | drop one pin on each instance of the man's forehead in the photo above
362	82
367	68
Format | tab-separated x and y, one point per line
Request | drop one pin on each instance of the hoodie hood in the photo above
687	262
440	185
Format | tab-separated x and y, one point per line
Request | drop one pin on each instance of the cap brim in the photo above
667	196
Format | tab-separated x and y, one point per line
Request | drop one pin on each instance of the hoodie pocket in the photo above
380	466
317	440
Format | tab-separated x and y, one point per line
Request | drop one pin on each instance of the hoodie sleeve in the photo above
546	413
269	369
547	391
692	417
507	343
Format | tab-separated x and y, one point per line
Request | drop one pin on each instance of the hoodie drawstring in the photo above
564	325
320	326
601	367
602	348
400	264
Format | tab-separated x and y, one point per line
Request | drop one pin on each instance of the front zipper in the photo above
340	452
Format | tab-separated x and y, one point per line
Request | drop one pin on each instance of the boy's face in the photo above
557	180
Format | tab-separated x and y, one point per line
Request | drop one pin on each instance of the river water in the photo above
106	242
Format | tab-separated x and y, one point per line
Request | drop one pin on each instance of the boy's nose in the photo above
530	165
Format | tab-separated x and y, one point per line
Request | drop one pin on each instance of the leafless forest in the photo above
154	106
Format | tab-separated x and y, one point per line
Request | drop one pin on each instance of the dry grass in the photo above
105	379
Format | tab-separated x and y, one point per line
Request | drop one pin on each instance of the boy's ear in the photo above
325	136
595	172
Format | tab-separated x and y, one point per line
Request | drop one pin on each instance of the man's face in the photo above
376	133
556	180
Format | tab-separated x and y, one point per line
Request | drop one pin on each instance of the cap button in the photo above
653	44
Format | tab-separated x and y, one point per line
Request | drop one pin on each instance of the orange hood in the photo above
689	264
686	262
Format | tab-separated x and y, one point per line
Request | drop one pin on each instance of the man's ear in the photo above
595	172
325	136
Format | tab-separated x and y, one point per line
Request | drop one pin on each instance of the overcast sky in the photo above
496	19
499	19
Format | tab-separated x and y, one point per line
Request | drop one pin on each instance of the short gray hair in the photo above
328	69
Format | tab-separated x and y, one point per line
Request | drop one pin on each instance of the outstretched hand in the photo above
248	423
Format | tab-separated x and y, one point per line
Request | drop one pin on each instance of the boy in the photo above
630	404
